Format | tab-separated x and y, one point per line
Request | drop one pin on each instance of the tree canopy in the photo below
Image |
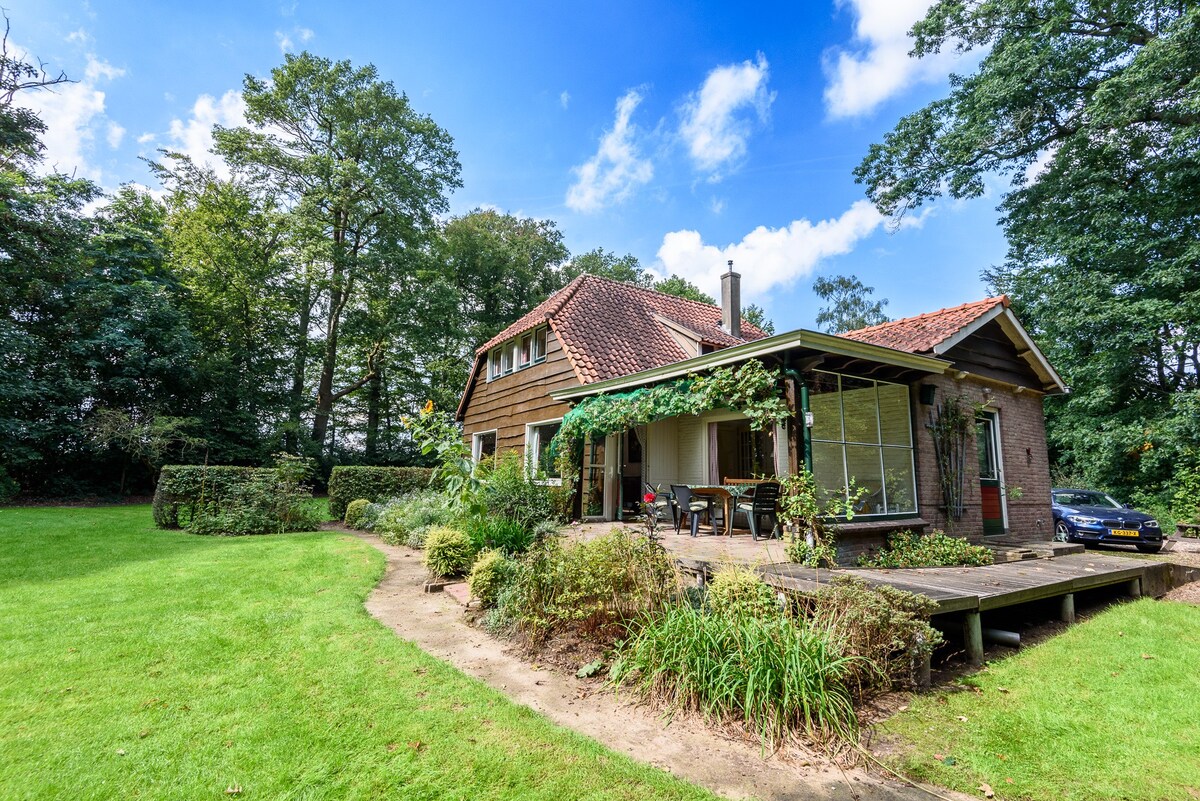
851	304
1091	111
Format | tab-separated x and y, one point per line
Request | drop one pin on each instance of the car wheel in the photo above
1061	532
1150	547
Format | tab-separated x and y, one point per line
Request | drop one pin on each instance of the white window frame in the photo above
533	450
477	444
541	339
844	442
520	350
494	369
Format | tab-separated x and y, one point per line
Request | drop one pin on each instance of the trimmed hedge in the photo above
349	483
232	500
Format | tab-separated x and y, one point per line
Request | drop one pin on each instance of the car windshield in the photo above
1085	498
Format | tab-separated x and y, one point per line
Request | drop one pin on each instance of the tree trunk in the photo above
374	402
299	362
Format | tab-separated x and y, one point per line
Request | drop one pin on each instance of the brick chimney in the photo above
731	302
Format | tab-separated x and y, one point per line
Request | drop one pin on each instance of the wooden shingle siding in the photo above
990	353
509	403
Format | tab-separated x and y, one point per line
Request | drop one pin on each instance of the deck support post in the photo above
1066	612
1135	587
925	671
973	634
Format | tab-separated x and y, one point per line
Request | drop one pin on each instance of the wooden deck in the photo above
980	589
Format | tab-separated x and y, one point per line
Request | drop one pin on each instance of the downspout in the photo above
802	417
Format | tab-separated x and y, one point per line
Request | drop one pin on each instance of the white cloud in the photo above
877	66
147	138
80	36
768	257
616	169
115	134
564	99
194	137
712	127
74	117
286	41
716	205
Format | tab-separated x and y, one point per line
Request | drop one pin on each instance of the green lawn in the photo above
1108	710
137	663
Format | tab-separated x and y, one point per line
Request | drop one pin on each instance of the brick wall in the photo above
1022	451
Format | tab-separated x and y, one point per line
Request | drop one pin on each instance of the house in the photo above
863	403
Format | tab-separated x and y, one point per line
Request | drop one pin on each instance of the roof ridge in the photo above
1001	298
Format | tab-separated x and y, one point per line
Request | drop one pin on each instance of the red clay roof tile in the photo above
610	329
921	334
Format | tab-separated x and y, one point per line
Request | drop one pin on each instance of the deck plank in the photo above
977	588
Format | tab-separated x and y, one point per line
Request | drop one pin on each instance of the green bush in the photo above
489	574
354	512
734	591
370	516
347	483
508	536
406	519
509	493
589	585
778	677
9	488
1185	498
935	549
885	628
235	500
448	552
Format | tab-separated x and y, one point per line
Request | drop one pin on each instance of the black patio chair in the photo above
691	505
664	500
762	504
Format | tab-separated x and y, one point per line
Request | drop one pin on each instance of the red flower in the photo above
649	498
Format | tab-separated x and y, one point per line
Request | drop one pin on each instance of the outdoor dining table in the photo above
727	494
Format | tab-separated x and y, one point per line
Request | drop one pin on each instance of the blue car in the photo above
1089	516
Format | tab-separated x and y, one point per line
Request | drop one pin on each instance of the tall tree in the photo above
365	175
502	266
681	287
851	304
607	264
1090	109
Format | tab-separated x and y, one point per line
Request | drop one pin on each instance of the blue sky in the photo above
686	135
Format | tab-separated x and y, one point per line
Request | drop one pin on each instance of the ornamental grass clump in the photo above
887	631
592	587
779	678
448	552
735	591
935	549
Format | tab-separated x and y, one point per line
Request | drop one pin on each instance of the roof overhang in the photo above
809	340
1027	349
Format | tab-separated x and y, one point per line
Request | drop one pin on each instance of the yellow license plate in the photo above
1123	532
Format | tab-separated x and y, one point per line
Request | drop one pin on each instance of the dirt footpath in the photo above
732	768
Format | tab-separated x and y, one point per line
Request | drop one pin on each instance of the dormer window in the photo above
518	353
525	351
539	345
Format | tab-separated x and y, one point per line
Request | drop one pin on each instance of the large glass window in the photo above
862	433
537	448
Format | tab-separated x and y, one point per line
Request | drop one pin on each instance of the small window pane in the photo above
860	410
893	415
898	480
485	446
829	469
985	446
507	360
862	463
824	404
539	344
542	437
497	367
526	350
